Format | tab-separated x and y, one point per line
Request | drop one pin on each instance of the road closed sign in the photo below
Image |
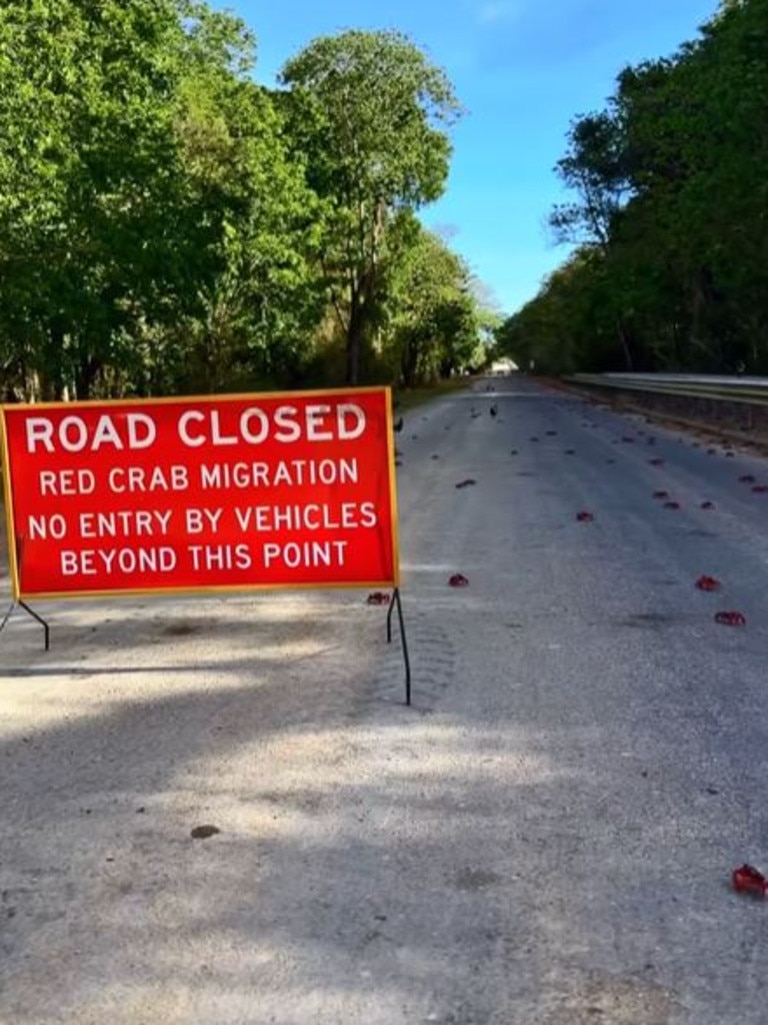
194	494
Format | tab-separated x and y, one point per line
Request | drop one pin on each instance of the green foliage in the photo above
166	225
434	321
671	207
369	111
84	157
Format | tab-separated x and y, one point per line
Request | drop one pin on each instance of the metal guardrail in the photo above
752	391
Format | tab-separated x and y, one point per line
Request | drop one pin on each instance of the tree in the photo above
434	322
597	169
671	200
88	178
155	233
257	302
369	112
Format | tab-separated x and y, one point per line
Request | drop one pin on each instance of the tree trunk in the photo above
51	373
85	376
355	335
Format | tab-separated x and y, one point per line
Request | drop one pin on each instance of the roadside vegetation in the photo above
669	224
167	225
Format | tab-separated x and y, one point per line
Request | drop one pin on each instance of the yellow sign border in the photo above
10	531
17	593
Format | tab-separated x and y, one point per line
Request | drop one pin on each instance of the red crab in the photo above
707	505
377	598
730	618
661	494
760	489
708	584
655	462
671	505
747	879
458	580
584	516
746	478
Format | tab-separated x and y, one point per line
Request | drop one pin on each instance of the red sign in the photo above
275	490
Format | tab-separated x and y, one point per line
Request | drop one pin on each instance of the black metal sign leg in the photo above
23	604
34	615
396	602
7	615
41	621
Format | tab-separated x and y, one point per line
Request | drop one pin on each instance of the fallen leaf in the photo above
204	832
466	483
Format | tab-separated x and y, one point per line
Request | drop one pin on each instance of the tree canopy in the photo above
168	225
671	260
368	110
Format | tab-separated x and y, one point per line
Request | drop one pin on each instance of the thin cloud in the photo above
496	11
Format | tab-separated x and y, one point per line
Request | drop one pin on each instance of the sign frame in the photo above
15	556
15	552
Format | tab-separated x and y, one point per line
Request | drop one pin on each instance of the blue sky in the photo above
523	69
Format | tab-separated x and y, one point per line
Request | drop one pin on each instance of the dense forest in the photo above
167	225
669	222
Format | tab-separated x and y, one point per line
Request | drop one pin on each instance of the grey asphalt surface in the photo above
545	838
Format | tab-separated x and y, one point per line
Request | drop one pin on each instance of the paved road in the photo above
546	838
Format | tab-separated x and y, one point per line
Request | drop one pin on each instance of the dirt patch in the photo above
616	1002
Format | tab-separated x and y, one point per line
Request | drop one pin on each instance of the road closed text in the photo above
197	428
